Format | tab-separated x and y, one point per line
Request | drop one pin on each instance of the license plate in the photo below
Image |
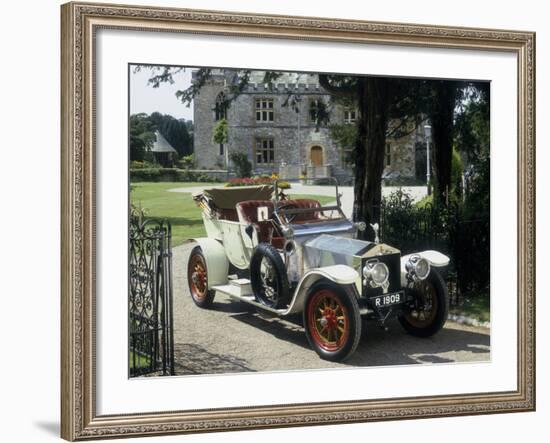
383	301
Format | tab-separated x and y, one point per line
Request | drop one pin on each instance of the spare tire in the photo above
268	277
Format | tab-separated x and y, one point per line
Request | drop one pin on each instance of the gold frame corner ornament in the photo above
79	21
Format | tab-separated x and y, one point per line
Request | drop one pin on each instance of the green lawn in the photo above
142	361
178	207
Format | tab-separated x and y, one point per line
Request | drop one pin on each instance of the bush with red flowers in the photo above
256	181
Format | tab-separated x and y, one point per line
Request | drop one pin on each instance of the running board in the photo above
234	292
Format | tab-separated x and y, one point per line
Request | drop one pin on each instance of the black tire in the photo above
339	300
427	324
271	290
197	279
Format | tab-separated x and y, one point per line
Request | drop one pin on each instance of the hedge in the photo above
168	175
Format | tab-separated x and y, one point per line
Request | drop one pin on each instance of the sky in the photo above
145	98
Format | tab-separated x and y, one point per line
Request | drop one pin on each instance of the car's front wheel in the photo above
197	278
268	277
430	307
332	321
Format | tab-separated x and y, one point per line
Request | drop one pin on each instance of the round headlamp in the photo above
418	267
376	273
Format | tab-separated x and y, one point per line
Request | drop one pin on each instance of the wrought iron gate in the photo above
446	229
151	336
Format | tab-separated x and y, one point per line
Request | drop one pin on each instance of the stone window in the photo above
350	116
265	153
222	149
220	108
315	109
347	157
264	109
387	156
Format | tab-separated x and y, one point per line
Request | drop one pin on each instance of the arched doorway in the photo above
316	156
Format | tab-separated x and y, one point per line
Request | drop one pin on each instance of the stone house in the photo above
280	138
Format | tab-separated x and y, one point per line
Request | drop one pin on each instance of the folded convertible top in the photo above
227	198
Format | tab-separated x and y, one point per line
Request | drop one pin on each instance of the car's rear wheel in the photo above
197	278
430	307
332	321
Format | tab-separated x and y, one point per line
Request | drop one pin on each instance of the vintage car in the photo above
295	256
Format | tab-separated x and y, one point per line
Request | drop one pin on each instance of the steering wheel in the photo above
282	196
289	217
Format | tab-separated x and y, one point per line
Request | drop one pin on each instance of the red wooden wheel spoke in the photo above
198	281
328	320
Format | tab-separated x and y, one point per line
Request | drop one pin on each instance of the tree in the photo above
379	101
473	140
175	131
191	131
447	102
219	134
142	135
445	94
472	134
371	139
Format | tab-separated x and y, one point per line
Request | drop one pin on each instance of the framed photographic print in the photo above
279	221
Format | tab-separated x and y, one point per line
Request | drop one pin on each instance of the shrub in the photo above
476	210
453	230
137	214
169	175
283	185
219	133
145	175
242	164
141	164
185	175
186	162
247	181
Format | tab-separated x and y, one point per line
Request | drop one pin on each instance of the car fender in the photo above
217	264
435	258
339	274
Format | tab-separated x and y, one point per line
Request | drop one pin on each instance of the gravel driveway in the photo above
234	337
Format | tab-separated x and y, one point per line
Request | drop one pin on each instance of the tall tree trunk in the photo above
445	93
371	141
360	153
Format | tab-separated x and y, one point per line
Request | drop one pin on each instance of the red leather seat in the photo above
303	203
247	212
306	203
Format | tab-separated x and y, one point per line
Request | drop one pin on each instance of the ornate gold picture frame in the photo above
80	22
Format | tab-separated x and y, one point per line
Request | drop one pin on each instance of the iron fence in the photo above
447	229
151	337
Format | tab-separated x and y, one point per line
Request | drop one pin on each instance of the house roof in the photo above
162	145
